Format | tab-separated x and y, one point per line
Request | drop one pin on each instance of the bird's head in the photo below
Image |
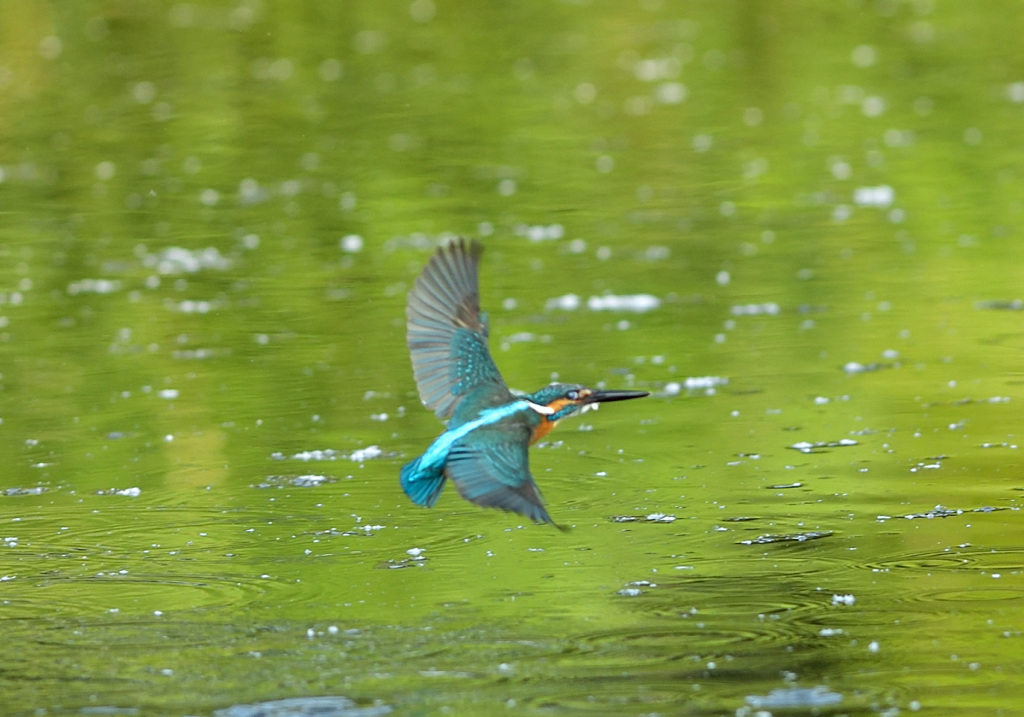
559	400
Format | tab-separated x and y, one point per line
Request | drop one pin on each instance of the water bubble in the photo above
864	56
330	70
105	170
422	11
50	47
351	243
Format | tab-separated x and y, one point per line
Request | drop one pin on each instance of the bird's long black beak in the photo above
599	396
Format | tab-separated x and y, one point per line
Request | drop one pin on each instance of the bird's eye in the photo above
572	395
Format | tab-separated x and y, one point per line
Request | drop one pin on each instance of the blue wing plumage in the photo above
422	483
493	470
447	334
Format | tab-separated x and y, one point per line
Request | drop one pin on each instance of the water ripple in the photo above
960	559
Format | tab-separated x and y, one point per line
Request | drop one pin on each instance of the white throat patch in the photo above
542	410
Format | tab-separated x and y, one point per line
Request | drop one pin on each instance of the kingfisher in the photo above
483	450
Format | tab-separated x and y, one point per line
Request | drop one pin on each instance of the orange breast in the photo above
542	430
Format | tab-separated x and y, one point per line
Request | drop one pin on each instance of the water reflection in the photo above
213	216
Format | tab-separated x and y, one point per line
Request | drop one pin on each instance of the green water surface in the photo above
211	214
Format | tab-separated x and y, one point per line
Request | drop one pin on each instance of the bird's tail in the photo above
422	483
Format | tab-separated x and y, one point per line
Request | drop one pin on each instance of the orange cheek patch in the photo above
558	404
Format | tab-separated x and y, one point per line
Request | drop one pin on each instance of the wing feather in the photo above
493	470
446	332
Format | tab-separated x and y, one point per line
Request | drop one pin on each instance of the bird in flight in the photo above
483	450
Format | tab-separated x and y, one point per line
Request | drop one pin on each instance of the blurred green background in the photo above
211	213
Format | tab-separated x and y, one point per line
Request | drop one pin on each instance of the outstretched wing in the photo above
447	334
491	469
